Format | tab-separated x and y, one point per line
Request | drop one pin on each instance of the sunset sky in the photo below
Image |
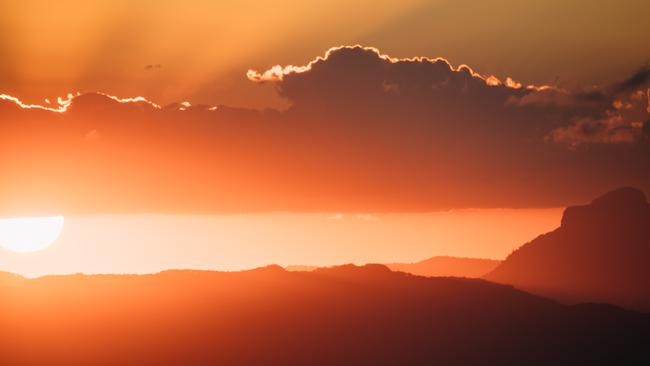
199	50
243	133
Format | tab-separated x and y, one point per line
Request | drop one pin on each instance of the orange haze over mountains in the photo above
388	182
150	243
344	315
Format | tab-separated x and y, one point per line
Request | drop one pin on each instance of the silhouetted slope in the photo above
600	253
447	266
335	316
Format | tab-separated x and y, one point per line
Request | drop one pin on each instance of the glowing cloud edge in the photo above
278	72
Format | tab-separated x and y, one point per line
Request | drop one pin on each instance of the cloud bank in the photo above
365	133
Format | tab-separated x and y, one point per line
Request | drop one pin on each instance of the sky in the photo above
197	109
198	50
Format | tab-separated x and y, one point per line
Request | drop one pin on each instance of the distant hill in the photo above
600	253
447	266
441	266
300	268
344	315
6	277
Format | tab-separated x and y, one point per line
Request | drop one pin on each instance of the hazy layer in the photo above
150	243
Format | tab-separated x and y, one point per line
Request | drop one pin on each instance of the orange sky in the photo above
151	243
204	48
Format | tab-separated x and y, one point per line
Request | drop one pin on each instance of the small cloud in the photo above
367	217
152	67
610	130
92	135
493	81
337	217
514	84
646	129
390	88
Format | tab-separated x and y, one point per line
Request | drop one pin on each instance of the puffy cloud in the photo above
365	133
619	123
93	135
611	130
640	79
278	72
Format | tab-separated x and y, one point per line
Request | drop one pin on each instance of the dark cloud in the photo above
152	67
611	130
365	132
359	77
640	79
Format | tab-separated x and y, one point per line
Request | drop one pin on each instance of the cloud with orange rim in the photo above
365	132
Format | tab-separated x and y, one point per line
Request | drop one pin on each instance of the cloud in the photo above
367	217
611	130
62	104
93	135
365	132
278	72
640	79
368	70
151	67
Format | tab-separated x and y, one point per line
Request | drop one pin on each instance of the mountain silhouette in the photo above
9	278
600	253
344	315
300	268
447	266
440	266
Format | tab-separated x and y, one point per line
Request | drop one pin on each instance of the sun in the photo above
30	234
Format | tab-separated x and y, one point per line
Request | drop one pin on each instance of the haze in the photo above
385	182
152	243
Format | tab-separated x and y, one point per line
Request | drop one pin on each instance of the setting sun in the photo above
30	234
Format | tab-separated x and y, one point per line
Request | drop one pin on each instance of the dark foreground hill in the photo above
600	253
337	316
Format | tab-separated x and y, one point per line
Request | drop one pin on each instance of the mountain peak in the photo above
599	254
622	197
611	207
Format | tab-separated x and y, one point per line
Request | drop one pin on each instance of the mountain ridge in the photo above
346	315
437	266
600	253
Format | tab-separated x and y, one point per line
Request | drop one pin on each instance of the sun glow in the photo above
30	234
